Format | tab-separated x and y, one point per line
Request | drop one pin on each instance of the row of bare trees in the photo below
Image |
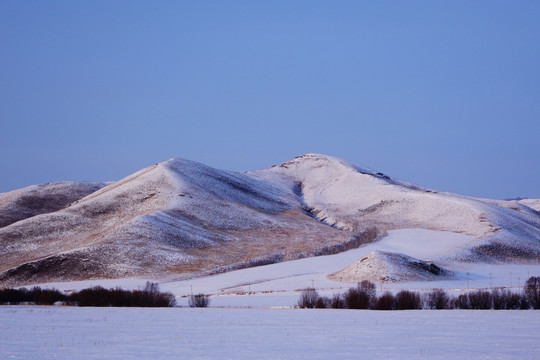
150	296
364	296
35	295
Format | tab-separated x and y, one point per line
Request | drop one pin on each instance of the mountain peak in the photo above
314	160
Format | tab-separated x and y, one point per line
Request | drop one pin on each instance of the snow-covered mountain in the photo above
180	218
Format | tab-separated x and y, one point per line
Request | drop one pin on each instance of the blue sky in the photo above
443	94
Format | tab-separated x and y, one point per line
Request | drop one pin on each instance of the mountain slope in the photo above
182	218
175	217
351	198
41	199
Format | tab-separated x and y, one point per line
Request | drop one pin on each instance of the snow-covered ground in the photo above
29	332
280	284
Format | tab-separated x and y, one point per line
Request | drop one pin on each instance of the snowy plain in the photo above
251	315
30	332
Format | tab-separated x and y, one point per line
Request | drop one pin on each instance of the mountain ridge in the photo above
180	218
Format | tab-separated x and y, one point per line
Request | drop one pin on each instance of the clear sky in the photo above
445	94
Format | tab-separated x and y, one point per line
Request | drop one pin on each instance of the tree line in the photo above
150	296
364	296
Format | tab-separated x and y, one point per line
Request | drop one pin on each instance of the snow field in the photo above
30	332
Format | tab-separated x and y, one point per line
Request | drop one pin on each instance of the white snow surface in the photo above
532	203
425	244
29	332
342	194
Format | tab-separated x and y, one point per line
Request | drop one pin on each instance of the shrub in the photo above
386	301
98	296
199	300
369	288
36	295
46	296
438	299
94	296
461	302
308	298
532	291
357	299
507	300
151	296
322	302
408	300
337	302
480	300
361	297
13	296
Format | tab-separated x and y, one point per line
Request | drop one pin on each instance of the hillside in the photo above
180	219
41	199
176	217
380	266
351	198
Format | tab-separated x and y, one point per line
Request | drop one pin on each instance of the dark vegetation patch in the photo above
374	208
199	300
315	214
34	295
260	261
56	267
364	237
95	296
502	252
102	209
428	267
38	204
364	297
49	198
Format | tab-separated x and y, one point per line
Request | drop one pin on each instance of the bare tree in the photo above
438	299
322	302
386	301
461	302
308	298
151	288
337	302
532	291
507	300
408	300
480	300
361	297
199	300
